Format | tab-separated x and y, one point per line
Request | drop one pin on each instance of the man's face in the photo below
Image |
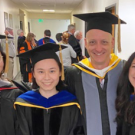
6	32
79	36
73	31
99	45
21	34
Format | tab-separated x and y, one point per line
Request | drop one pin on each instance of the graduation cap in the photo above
45	51
102	21
4	37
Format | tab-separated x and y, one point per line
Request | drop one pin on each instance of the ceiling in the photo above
60	6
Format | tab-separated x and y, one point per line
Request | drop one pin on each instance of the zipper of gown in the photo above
47	121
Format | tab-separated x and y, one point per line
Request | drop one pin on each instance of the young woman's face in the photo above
131	74
46	74
1	63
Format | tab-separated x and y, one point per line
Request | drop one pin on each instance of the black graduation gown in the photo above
59	119
8	125
125	128
25	64
76	46
19	45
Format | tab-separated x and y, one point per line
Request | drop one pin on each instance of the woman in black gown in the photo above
48	109
125	102
8	94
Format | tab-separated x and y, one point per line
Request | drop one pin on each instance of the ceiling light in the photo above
51	10
46	10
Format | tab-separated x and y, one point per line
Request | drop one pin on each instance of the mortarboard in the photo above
45	51
102	21
99	20
4	37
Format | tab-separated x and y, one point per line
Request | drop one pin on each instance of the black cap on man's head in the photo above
100	20
3	37
45	51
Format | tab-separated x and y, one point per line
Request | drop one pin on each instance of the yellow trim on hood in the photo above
88	64
36	106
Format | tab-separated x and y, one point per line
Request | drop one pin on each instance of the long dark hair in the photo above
4	59
60	86
125	108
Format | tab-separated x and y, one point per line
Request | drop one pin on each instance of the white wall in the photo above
89	6
55	26
10	7
126	12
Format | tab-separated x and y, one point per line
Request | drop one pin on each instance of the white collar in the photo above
101	72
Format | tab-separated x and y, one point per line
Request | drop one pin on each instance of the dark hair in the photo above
125	108
60	86
4	59
58	37
47	33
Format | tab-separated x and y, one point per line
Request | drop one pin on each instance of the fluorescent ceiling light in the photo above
46	10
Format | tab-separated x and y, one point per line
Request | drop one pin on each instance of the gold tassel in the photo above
7	56
62	67
119	36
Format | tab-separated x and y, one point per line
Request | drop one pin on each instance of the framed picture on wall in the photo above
10	21
6	19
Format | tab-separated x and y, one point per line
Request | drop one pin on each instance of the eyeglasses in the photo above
1	58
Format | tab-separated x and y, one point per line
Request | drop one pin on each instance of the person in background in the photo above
21	39
59	37
74	43
78	36
46	39
94	80
48	109
26	66
67	53
11	51
8	94
125	101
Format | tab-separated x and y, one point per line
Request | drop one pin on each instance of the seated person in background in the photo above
8	95
46	39
125	102
48	109
29	44
59	37
67	53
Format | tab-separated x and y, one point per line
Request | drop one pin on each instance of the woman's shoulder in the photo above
10	92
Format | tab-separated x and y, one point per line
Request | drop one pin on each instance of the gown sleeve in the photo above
22	121
76	122
70	78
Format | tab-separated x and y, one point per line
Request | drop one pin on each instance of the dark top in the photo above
8	124
76	46
20	42
125	128
52	116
